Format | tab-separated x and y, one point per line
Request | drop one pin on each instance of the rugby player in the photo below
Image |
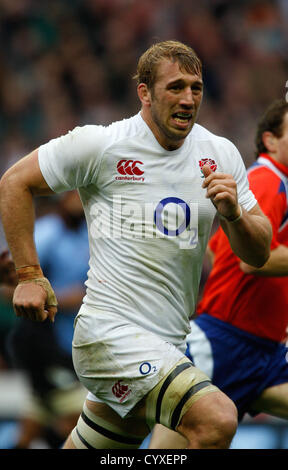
136	178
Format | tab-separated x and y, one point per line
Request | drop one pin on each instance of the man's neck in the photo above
164	141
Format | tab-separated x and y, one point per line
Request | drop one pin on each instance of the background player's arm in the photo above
277	264
250	236
70	298
8	276
18	186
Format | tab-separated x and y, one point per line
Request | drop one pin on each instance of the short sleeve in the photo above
73	160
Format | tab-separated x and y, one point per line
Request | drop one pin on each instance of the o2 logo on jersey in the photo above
180	220
145	368
172	218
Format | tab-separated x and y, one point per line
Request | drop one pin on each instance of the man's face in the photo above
175	101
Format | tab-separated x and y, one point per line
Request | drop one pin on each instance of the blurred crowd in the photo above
65	63
70	62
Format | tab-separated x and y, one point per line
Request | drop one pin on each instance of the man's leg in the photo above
187	402
183	400
210	423
100	427
69	444
164	438
273	401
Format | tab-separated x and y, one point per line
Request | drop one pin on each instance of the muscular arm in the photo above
277	264
249	236
18	186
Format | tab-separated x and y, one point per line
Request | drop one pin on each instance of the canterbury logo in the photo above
129	167
120	390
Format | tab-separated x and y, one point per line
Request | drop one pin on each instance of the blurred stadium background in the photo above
70	62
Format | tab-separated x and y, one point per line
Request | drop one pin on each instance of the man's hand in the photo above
250	236
222	191
34	298
30	301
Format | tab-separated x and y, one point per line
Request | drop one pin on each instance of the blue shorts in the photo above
240	364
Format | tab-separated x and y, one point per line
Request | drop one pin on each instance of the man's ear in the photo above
144	94
270	141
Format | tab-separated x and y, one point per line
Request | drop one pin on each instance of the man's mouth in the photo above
182	117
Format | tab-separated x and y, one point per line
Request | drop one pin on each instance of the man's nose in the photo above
187	97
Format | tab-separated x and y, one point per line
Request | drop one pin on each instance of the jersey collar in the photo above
278	165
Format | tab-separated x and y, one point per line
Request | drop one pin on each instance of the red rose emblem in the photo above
209	161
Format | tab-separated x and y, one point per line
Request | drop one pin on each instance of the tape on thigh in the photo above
93	432
172	397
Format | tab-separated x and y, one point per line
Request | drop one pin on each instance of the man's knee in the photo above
211	422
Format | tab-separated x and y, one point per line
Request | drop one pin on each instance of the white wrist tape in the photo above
233	220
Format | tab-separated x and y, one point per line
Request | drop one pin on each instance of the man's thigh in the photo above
100	427
273	400
206	419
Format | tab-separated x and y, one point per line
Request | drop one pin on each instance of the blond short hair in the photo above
172	50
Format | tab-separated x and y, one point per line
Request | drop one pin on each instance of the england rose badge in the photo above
207	161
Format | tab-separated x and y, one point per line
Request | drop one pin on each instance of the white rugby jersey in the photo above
147	215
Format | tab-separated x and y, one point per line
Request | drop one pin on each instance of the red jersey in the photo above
256	304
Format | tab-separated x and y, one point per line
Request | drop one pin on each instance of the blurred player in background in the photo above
130	334
44	350
238	339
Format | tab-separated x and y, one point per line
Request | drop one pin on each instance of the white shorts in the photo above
119	362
